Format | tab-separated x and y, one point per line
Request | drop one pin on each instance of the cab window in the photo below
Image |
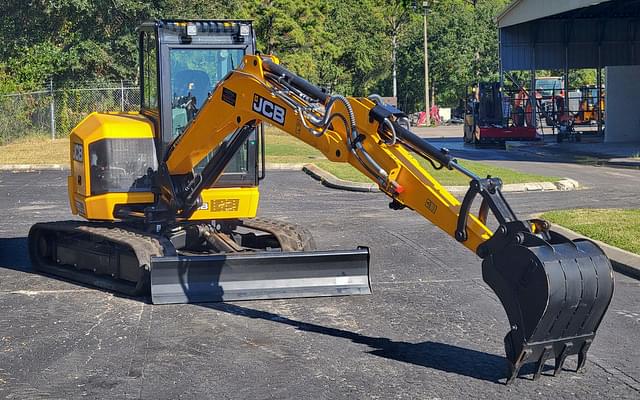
194	73
149	71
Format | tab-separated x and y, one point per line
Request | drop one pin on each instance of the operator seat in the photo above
201	85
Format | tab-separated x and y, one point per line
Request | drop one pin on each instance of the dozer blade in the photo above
263	275
555	294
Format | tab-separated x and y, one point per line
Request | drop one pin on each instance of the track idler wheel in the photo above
555	293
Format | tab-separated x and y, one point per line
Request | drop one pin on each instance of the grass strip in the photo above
36	150
280	148
444	176
616	227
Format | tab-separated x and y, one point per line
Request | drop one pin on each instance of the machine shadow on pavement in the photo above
435	355
14	254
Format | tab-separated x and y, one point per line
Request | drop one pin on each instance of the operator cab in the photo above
181	62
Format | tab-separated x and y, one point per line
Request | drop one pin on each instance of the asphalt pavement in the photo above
431	329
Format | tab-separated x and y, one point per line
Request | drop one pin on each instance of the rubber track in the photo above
143	244
290	236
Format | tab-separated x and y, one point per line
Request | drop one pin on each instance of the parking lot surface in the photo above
431	329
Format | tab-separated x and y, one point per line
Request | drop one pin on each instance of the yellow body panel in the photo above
99	126
228	203
101	207
218	203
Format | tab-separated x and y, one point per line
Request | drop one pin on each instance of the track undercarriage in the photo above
229	260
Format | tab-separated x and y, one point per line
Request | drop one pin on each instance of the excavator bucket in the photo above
555	293
263	275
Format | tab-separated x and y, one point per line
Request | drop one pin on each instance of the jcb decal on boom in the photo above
269	109
431	206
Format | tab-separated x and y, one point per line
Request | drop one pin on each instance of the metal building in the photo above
574	34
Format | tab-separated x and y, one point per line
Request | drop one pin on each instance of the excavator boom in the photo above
555	290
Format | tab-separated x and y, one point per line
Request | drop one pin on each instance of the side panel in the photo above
100	126
101	207
228	203
233	203
110	156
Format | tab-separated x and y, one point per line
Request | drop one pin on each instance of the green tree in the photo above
199	9
354	56
294	30
70	40
397	15
462	49
347	46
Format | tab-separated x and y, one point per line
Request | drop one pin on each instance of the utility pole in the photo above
121	95
394	55
52	110
425	7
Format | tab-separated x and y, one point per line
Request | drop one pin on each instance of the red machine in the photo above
492	117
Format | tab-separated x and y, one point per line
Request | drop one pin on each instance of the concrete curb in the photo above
330	180
624	262
334	182
64	167
33	167
284	166
621	163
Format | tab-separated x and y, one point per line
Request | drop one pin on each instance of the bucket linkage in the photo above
554	290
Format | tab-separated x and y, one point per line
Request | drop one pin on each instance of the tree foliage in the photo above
343	45
463	48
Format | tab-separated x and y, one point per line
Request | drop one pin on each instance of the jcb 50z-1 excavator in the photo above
170	195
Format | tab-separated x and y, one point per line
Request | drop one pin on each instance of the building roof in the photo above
520	11
549	34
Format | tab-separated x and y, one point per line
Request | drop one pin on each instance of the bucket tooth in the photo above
515	366
546	354
566	348
582	355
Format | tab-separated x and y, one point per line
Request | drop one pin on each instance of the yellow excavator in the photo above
170	195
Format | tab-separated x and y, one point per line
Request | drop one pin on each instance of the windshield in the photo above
194	73
549	86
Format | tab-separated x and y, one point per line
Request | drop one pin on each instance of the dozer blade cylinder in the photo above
264	275
555	294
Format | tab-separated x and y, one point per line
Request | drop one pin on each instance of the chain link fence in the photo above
55	111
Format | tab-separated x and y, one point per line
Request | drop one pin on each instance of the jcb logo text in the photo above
270	110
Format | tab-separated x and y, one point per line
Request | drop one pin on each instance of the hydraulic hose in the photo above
296	81
289	79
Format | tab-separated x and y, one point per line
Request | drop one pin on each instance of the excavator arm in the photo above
360	131
555	290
